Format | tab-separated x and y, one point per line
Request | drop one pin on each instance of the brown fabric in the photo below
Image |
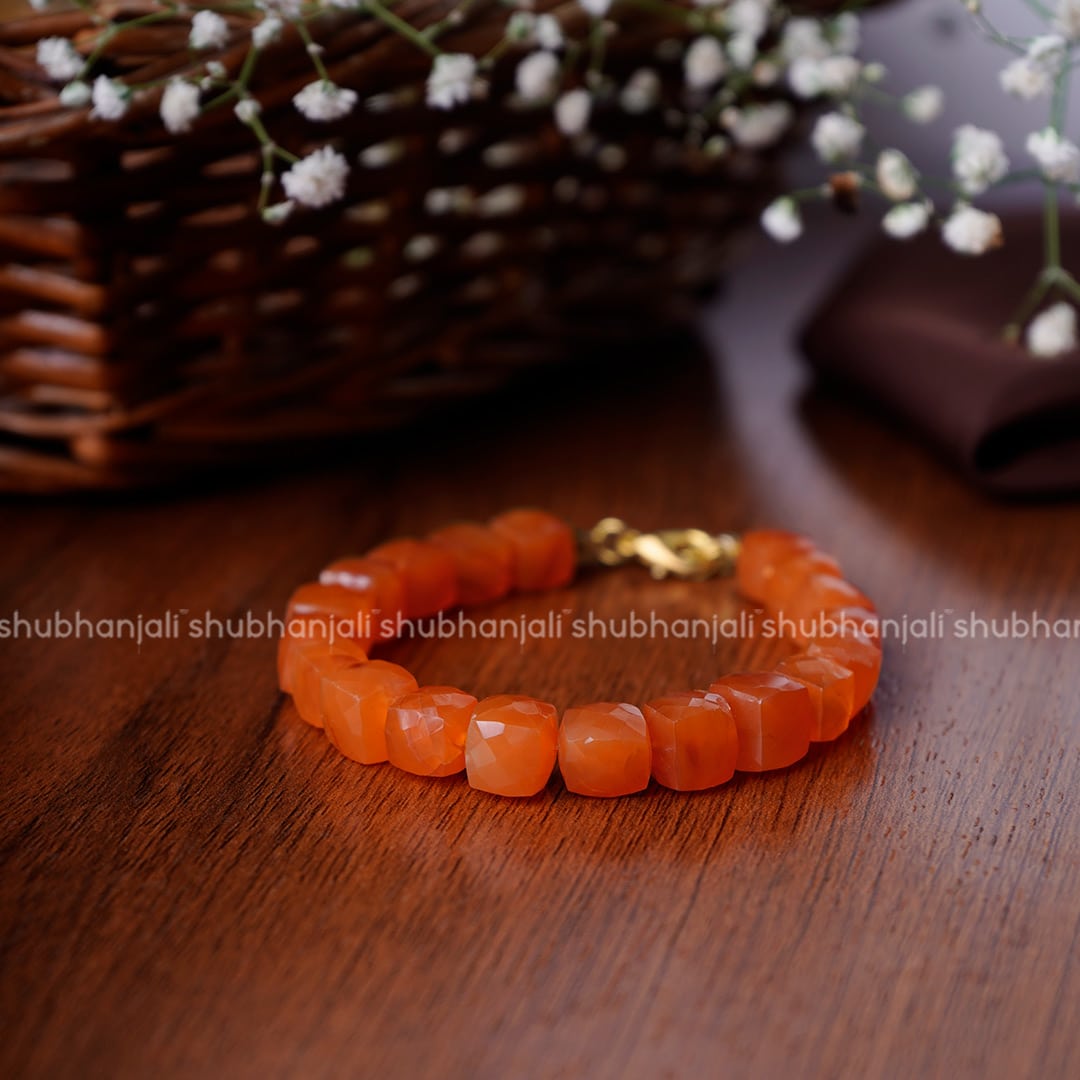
918	328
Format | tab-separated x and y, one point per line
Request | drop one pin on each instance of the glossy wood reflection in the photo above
195	882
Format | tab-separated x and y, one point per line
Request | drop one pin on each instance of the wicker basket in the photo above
152	323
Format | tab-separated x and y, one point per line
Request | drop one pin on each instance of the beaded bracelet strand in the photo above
374	711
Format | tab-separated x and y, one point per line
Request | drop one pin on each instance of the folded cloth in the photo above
918	328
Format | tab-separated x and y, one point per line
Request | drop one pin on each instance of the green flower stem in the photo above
398	24
1031	301
312	50
1052	228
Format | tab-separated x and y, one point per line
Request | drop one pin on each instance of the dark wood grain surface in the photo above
194	883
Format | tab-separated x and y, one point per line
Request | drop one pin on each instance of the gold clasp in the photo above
693	554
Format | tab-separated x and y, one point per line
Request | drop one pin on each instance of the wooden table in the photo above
194	882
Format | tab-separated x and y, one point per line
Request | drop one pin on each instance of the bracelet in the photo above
375	711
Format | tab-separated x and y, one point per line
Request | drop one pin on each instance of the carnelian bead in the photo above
331	612
380	581
773	716
544	548
819	595
858	653
762	551
425	730
604	749
847	621
694	741
427	573
296	640
483	561
312	666
354	705
791	575
832	692
511	745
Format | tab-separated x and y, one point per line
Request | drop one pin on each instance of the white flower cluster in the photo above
723	84
821	66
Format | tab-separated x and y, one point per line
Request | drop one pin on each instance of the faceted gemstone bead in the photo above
355	701
857	653
380	581
604	749
425	730
427	572
331	612
791	575
544	548
762	551
296	641
773	716
841	622
832	692
312	666
483	561
818	595
694	741
511	745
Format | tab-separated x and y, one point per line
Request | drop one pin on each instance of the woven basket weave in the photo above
151	323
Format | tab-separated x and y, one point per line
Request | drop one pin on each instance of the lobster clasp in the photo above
691	554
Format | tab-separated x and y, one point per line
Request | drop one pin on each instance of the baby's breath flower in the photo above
804	77
75	94
924	105
704	64
906	220
978	158
758	126
1067	18
596	8
749	17
279	212
537	76
1057	157
208	30
804	38
179	105
110	97
572	111
837	137
839	74
267	31
782	221
287	9
549	33
969	231
1025	80
843	33
835	76
1052	332
521	26
895	176
318	179
59	59
742	51
246	110
451	80
324	101
1032	75
641	92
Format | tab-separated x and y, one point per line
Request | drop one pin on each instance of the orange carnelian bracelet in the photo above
374	711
